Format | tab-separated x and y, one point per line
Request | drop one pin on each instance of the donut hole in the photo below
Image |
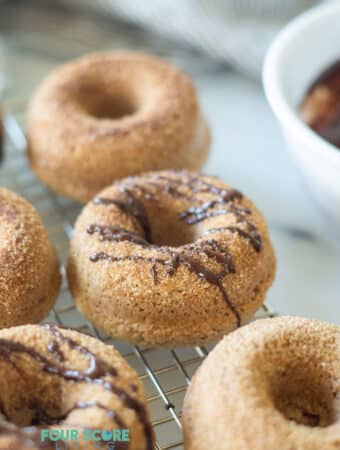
303	394
168	230
114	105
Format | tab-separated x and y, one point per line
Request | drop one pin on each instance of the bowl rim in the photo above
272	86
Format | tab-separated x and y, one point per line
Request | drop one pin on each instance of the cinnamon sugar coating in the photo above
60	379
29	266
170	258
273	384
110	115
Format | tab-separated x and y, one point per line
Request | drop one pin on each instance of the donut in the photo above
29	266
273	384
170	258
110	115
59	379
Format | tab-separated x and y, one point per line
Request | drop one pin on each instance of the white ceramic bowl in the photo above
300	52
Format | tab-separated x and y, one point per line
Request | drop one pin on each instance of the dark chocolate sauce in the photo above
115	234
202	272
96	373
54	348
95	257
175	259
321	105
196	214
98	369
216	251
131	206
154	274
184	186
251	236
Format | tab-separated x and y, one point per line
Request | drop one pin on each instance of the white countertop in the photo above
249	153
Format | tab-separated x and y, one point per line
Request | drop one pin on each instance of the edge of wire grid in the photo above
16	136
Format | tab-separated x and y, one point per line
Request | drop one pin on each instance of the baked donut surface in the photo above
55	378
110	115
170	258
29	266
273	384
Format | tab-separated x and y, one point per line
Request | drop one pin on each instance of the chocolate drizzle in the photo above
251	236
54	348
132	207
175	260
191	188
116	234
97	373
196	214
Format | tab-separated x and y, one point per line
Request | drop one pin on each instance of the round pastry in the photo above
169	259
29	266
273	384
58	379
110	115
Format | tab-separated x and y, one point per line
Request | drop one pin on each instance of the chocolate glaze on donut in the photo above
130	205
193	215
213	211
96	373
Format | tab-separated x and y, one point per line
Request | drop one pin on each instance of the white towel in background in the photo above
236	31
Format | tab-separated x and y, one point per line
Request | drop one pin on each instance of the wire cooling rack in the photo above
165	373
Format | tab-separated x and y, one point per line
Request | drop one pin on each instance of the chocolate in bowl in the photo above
320	108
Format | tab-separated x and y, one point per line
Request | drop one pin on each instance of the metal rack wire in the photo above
165	373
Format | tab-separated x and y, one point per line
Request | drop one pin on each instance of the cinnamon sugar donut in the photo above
169	259
273	384
53	378
29	266
110	115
